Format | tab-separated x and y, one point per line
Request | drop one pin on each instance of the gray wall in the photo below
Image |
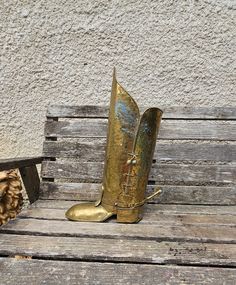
166	53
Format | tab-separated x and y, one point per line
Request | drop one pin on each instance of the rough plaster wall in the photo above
166	53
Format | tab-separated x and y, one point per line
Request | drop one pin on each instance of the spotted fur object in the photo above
11	199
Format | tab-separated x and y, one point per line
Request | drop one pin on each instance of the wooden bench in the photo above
187	236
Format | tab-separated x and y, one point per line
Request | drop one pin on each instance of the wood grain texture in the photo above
214	195
180	112
18	162
143	251
151	216
30	177
162	208
190	233
74	273
170	129
95	151
165	173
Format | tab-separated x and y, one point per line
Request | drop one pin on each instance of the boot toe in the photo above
88	212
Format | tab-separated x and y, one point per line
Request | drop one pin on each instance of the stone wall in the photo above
63	52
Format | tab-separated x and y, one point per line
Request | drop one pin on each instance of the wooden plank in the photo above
18	162
95	151
70	191
92	111
190	233
145	251
30	177
180	112
214	195
172	129
164	173
55	272
151	216
161	208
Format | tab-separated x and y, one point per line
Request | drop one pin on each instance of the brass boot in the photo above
131	141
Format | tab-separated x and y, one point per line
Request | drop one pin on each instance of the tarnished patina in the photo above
131	140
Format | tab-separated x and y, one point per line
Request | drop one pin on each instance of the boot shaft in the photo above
133	195
122	123
131	142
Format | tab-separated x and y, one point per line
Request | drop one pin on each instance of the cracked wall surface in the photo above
166	53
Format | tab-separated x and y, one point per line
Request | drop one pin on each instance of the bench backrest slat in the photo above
170	129
176	112
94	150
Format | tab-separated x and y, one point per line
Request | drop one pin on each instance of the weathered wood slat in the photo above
95	151
30	177
166	208
175	112
73	273
70	191
170	193
190	233
144	251
172	129
18	162
151	216
166	173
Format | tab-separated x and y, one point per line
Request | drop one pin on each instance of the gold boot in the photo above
131	141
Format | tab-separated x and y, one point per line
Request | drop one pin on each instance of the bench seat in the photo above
187	236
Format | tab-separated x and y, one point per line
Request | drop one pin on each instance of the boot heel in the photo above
129	215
